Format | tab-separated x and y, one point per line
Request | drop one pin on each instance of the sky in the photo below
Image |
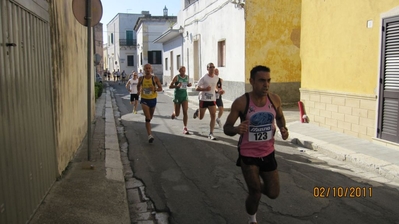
113	7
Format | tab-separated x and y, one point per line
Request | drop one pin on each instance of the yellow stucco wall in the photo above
272	38
338	51
69	54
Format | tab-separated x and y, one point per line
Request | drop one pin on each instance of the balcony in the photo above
127	42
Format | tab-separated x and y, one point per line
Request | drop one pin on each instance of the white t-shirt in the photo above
140	74
204	82
133	86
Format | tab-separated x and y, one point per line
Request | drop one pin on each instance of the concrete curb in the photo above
113	163
383	168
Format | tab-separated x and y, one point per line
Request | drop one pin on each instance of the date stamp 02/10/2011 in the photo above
342	192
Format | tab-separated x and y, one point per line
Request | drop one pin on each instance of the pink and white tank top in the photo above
259	140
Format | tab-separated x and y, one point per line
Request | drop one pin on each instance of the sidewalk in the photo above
368	155
90	191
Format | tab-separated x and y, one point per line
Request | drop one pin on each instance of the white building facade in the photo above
208	31
121	42
172	41
149	28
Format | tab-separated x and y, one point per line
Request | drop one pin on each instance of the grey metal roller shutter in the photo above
389	100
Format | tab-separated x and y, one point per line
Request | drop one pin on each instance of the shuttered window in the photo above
154	57
389	84
130	60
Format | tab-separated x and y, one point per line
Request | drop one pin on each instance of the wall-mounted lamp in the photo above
239	3
181	31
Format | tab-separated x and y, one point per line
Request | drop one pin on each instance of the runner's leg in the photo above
212	112
184	105
271	184
251	176
148	116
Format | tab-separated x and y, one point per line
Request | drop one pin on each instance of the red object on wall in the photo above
301	112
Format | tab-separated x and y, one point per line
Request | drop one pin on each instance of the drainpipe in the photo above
181	31
89	77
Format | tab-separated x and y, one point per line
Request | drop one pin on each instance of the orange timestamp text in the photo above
342	192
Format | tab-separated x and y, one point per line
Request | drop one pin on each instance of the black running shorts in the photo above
265	164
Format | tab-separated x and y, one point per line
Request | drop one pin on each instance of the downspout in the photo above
199	38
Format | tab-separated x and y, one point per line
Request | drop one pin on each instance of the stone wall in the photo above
69	59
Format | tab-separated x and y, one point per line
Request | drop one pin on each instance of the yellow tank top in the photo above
146	89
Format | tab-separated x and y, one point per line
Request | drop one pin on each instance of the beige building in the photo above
350	71
272	38
43	100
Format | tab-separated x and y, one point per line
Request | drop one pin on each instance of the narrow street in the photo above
195	179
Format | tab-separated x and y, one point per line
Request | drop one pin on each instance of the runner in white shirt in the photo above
207	97
141	73
131	86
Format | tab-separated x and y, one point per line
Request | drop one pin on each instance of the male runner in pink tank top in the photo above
260	111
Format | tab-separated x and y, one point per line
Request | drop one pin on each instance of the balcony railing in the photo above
127	42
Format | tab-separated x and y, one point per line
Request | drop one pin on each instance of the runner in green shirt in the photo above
180	83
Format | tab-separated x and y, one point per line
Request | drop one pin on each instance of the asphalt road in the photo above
195	179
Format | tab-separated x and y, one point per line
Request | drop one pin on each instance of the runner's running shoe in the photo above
150	138
211	137
185	131
195	115
219	122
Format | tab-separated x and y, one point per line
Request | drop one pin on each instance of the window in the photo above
141	58
178	62
222	53
112	38
166	64
130	60
129	37
154	57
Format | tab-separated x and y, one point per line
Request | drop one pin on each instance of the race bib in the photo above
261	127
147	91
260	133
208	96
183	85
217	95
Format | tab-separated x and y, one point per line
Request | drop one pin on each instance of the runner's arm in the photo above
200	87
236	108
139	86
158	83
172	84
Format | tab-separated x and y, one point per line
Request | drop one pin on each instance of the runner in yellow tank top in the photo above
148	92
148	87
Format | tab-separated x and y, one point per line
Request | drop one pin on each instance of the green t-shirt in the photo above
182	91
